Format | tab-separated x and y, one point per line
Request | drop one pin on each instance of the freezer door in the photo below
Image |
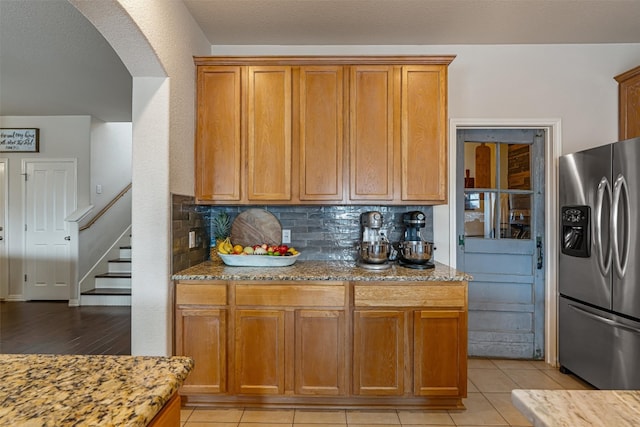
585	180
625	241
601	348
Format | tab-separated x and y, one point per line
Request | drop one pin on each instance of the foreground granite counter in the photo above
579	408
319	270
73	390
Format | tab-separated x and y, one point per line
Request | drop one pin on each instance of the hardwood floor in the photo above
55	328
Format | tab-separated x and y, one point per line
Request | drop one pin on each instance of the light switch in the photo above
192	239
98	189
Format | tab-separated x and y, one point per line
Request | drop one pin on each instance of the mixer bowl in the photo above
374	252
416	252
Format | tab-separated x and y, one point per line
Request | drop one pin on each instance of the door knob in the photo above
1	238
67	238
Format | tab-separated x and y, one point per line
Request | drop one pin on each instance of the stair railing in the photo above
106	208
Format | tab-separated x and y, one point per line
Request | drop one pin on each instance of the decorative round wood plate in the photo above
254	227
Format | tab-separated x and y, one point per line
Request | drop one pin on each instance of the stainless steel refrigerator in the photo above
599	269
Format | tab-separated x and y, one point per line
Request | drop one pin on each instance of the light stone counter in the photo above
579	408
319	270
70	390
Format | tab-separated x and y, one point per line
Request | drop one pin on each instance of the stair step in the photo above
125	252
120	275
120	265
108	291
103	300
113	280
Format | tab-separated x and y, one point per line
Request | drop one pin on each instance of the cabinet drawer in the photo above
451	294
201	294
294	295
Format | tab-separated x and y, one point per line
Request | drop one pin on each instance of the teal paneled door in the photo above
500	228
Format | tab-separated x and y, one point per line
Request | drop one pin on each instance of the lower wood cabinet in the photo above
259	352
440	352
201	333
379	348
319	352
332	344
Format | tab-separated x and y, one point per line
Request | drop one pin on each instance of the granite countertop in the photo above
579	408
73	390
319	270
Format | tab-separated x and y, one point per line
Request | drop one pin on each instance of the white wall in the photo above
163	126
60	137
111	148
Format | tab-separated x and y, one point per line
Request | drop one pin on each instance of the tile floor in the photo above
488	403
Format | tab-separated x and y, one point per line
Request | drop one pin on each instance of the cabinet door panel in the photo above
423	141
202	335
260	351
319	352
440	362
629	104
269	133
321	133
218	141
371	133
378	352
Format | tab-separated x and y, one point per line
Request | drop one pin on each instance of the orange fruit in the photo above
237	249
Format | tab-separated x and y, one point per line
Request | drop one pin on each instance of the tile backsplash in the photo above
318	232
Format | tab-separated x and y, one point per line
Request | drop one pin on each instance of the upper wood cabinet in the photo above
269	133
424	133
218	134
371	135
629	103
317	130
320	118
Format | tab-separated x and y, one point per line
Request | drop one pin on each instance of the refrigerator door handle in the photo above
620	262
604	319
604	260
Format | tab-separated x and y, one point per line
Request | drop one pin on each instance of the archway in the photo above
150	308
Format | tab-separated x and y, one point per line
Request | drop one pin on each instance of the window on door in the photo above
498	194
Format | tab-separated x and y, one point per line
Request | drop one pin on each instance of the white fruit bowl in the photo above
258	260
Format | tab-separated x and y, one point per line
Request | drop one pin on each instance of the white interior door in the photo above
4	255
50	196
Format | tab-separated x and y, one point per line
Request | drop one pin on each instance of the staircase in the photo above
114	286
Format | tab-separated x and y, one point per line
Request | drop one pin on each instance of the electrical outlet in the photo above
192	239
286	236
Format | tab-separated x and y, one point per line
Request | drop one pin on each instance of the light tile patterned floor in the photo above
488	403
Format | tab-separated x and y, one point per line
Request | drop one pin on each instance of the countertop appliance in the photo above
373	249
599	265
413	251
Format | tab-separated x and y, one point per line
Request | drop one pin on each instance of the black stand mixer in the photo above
413	251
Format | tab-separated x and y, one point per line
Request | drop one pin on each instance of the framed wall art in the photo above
19	140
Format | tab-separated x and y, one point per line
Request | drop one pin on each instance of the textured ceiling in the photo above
54	62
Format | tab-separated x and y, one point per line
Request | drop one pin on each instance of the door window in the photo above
498	193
